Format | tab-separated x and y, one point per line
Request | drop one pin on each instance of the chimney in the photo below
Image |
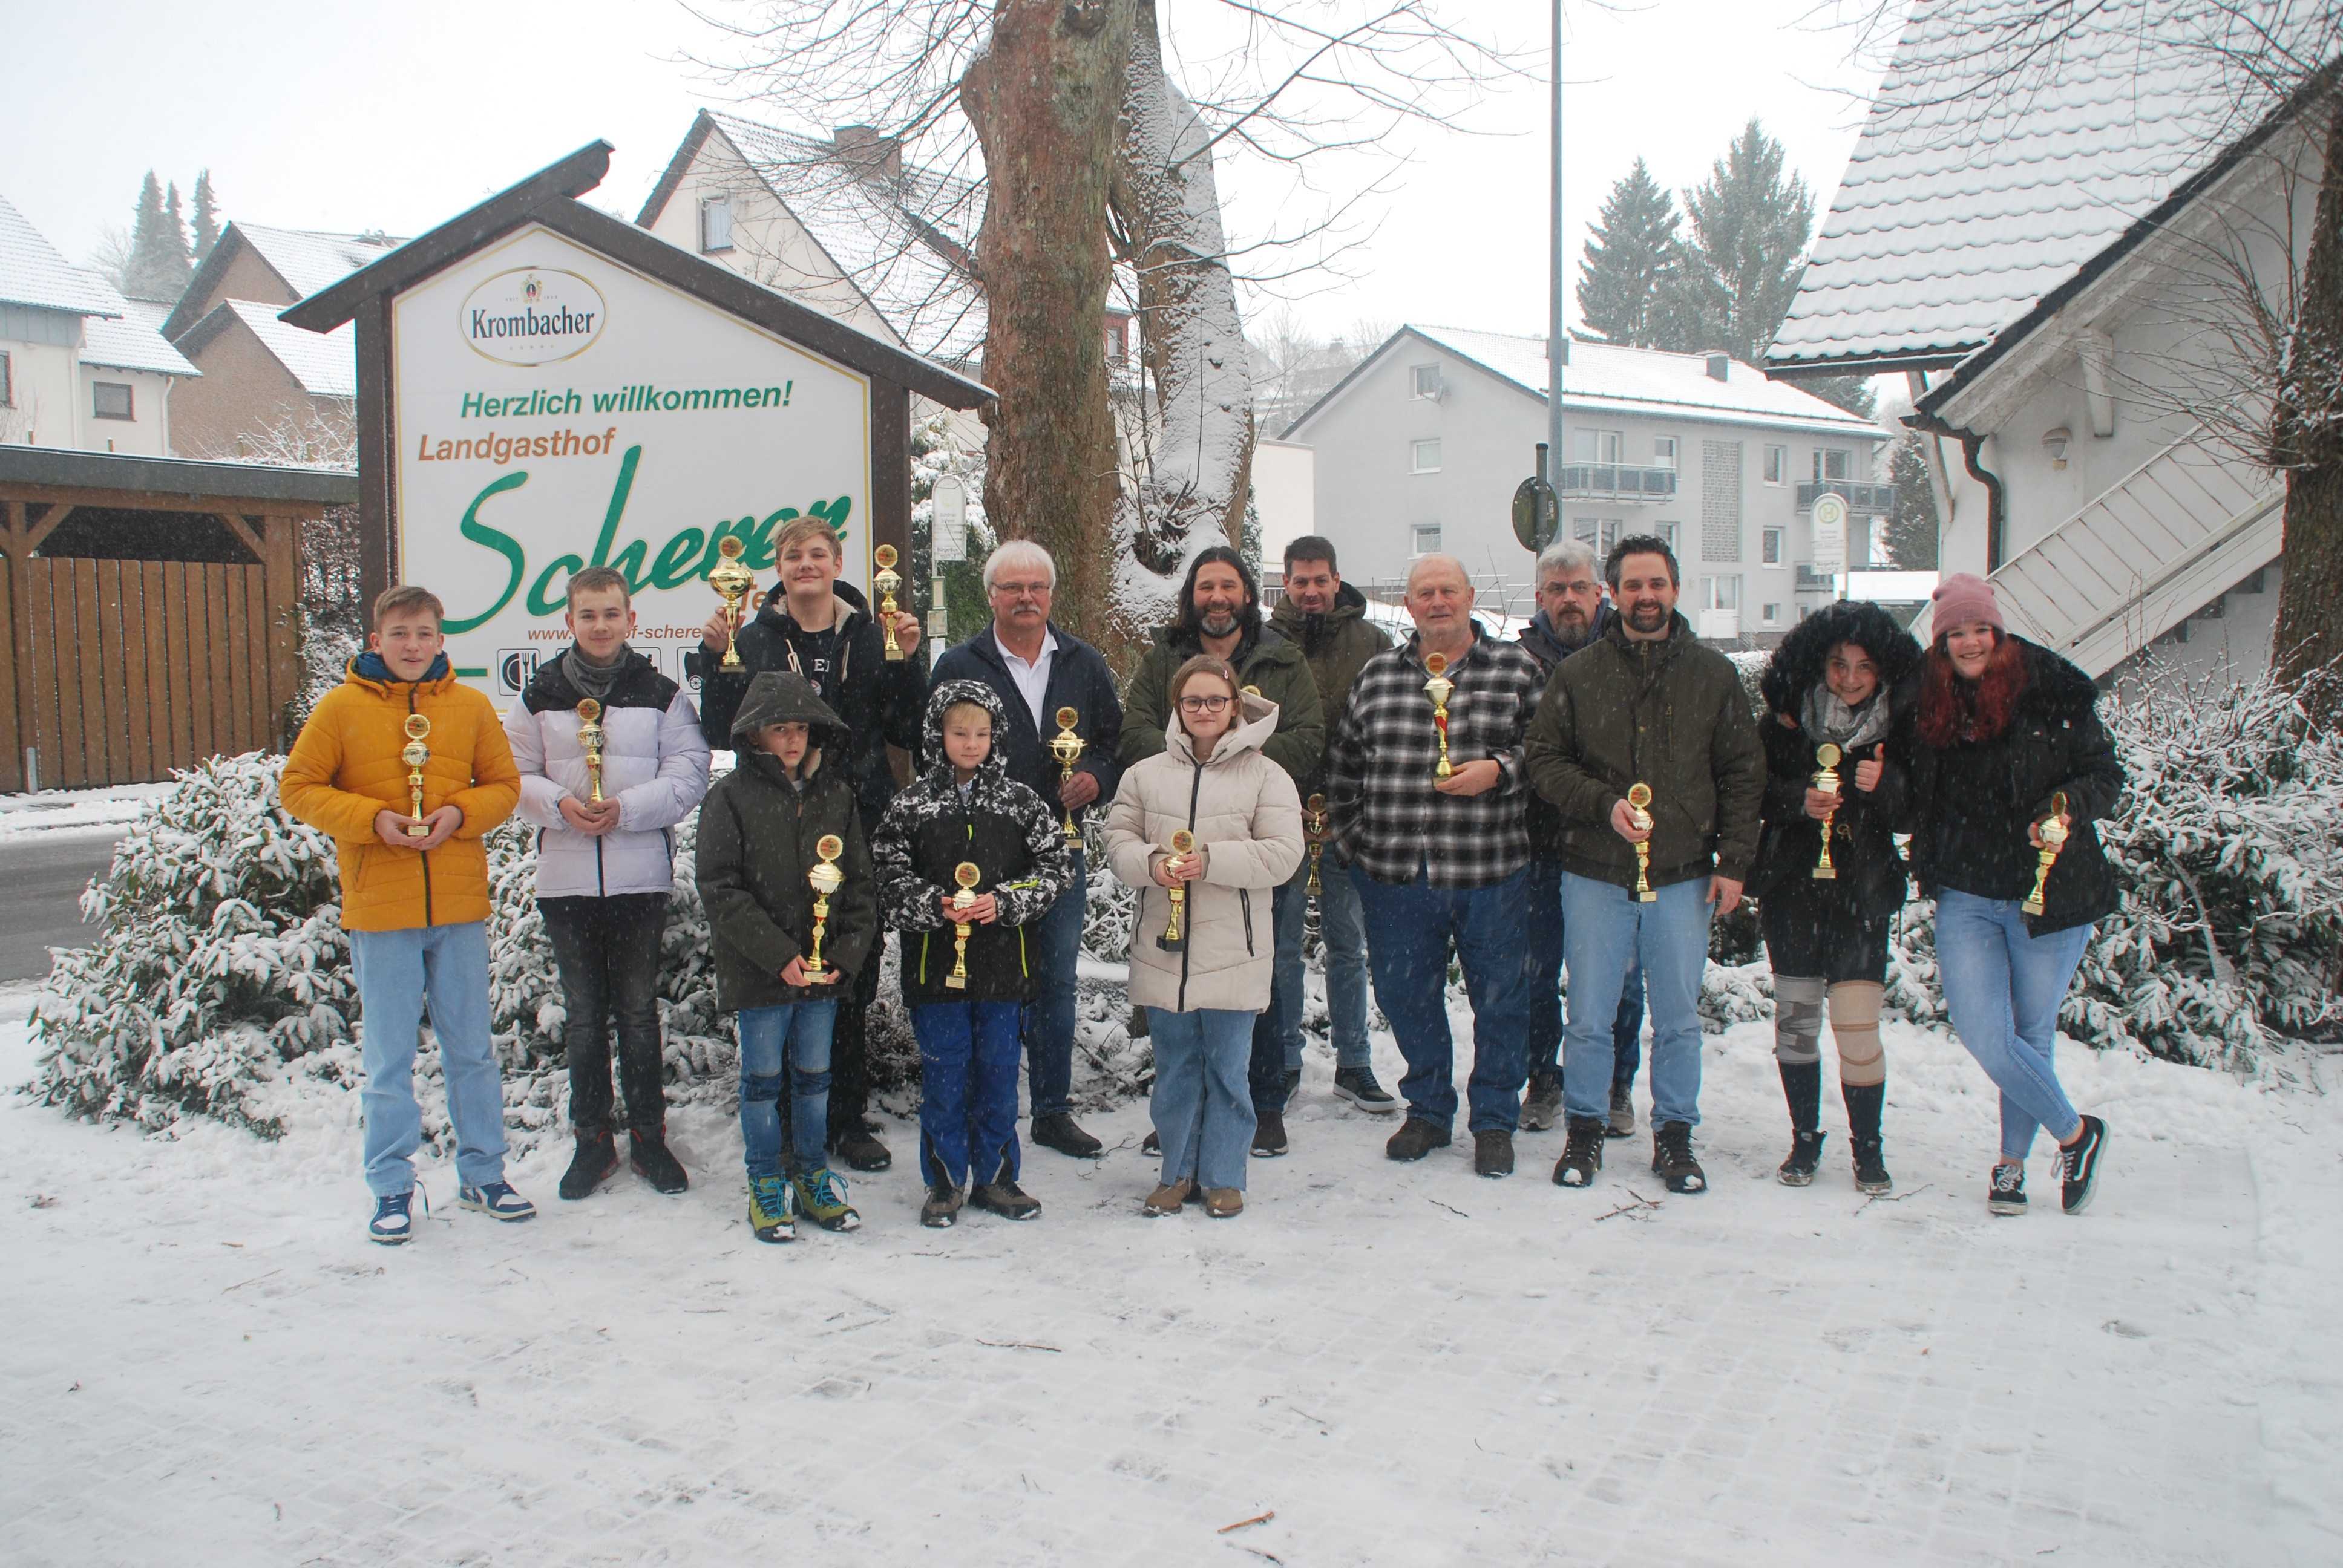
870	153
1720	365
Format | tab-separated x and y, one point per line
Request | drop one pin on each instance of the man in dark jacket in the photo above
820	629
1035	668
1571	613
1644	705
1220	614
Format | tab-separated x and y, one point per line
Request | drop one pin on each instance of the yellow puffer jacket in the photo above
345	768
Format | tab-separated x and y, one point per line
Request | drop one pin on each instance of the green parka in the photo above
1264	662
1336	646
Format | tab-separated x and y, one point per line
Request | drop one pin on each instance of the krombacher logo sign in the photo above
532	315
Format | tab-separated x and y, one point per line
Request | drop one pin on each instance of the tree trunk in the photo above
2309	441
1043	97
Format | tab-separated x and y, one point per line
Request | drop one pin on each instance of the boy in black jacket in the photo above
966	1003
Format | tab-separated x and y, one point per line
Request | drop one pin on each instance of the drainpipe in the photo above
1995	498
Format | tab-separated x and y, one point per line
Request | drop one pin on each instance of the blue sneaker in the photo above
392	1225
498	1200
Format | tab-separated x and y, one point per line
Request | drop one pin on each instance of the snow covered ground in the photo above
206	1363
93	811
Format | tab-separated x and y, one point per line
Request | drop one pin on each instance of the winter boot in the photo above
1623	1111
941	1211
648	1152
1415	1138
821	1197
1862	1103
1005	1199
597	1157
1268	1134
1492	1153
1806	1159
1358	1085
2078	1165
1168	1199
1061	1133
1223	1203
857	1143
1582	1156
1542	1107
1671	1158
1802	1088
773	1209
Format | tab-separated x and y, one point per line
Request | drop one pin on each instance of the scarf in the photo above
1828	719
593	680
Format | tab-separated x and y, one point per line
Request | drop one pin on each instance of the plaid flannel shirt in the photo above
1387	818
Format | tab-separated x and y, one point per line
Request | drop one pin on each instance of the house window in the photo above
1771	615
1664	451
1769	547
716	224
1424	381
7	382
1600	532
1667	532
1118	340
1423	456
1832	464
1423	539
110	401
1595	446
1777	465
1721	593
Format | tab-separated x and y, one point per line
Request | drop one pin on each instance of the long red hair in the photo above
1953	709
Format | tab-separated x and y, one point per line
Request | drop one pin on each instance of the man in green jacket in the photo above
1645	704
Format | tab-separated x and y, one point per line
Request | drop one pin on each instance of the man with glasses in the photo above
1036	668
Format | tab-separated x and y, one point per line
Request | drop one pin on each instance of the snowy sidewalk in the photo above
206	1364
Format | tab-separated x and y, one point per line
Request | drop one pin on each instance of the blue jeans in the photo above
1606	933
398	971
1203	1110
1544	960
2003	986
1054	946
1409	928
1271	1056
1344	940
967	1091
795	1038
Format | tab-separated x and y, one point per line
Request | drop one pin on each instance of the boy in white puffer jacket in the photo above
604	868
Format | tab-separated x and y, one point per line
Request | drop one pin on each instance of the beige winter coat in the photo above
1244	810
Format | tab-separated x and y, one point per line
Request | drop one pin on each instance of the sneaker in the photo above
1167	1199
1492	1153
1268	1134
2008	1194
498	1200
821	1197
392	1225
1223	1203
1152	1144
1870	1168
1358	1085
1806	1159
1059	1131
941	1211
1582	1156
648	1152
773	1209
1623	1112
1671	1158
1415	1138
1005	1199
591	1166
2078	1166
861	1149
1542	1107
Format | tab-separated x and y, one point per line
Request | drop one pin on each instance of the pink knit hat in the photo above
1962	597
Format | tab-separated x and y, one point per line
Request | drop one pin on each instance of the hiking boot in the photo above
1223	1203
1057	1131
942	1209
1623	1112
392	1225
1806	1159
821	1197
498	1200
1358	1085
1492	1153
858	1146
1167	1199
1862	1106
773	1209
1415	1138
2008	1194
1582	1156
1152	1144
1268	1134
1870	1168
597	1157
1671	1158
648	1152
2078	1166
1542	1107
1005	1199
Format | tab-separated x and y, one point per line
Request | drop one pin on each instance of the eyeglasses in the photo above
1203	705
1021	590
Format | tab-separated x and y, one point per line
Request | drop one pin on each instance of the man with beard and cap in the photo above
1571	613
1220	615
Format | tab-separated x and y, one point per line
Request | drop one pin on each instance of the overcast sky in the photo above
347	117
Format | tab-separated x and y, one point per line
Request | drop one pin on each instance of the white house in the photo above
80	366
1420	448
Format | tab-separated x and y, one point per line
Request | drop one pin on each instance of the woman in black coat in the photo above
1845	677
2009	737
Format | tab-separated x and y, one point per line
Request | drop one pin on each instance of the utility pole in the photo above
1557	344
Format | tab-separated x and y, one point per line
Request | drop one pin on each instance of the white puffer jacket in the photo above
1243	809
654	764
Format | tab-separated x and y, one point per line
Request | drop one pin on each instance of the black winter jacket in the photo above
1079	680
1337	646
1541	817
1265	662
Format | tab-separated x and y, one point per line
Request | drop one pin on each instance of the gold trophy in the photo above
1067	747
1827	780
965	874
1174	938
1639	799
886	580
414	754
733	583
1440	688
2055	833
1316	815
826	878
589	738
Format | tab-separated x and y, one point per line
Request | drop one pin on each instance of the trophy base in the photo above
955	983
894	655
2031	907
1647	897
1825	873
418	830
730	661
816	971
1172	944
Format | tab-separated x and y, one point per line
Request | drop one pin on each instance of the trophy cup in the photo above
1827	780
590	739
1440	688
886	580
826	878
414	754
2054	832
1639	797
965	874
733	583
1174	938
1315	815
1067	747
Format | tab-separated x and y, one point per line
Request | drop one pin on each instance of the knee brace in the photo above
1798	1018
803	1085
1854	1029
761	1086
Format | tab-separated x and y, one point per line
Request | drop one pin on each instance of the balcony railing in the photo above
1862	500
1616	482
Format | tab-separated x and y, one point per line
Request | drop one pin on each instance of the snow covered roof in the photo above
326	363
309	260
132	339
33	273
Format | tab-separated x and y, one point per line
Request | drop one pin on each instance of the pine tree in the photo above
1750	221
207	225
174	230
1632	255
1853	393
157	269
145	223
1909	535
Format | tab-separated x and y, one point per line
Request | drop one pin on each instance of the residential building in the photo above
1420	449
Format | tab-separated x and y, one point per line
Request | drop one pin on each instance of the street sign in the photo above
1830	533
950	540
1537	517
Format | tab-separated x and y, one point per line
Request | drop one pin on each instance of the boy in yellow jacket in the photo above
415	893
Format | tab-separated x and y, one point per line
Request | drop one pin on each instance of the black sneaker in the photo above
1671	1158
1492	1153
1358	1085
597	1158
1057	1131
2078	1165
648	1152
859	1148
2008	1194
1806	1159
1623	1112
1582	1156
1415	1138
1005	1199
1541	1106
1870	1167
1268	1134
941	1211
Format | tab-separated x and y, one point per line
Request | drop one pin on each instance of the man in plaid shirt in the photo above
1442	861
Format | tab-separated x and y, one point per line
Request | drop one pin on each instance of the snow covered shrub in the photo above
1110	909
